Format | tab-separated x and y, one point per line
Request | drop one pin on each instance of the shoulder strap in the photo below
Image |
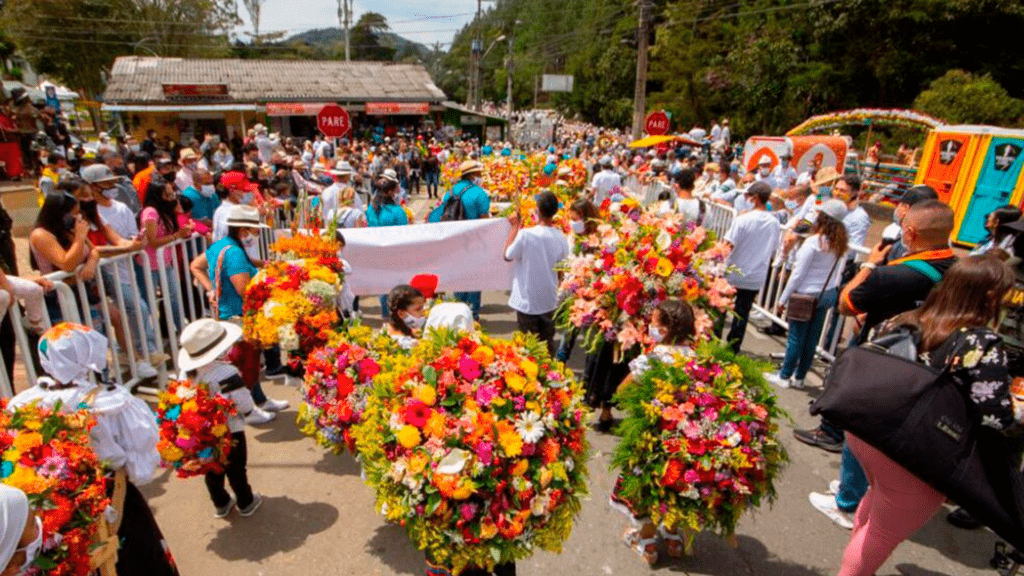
216	289
925	268
829	277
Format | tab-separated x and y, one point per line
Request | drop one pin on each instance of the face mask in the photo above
577	226
247	198
478	181
825	191
249	241
32	550
208	190
765	171
414	322
792	204
657	335
110	193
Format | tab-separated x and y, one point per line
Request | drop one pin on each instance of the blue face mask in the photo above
247	198
825	191
792	204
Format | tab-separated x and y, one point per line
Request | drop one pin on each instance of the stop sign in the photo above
657	124
333	121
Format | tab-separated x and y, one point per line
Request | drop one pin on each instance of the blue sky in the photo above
423	21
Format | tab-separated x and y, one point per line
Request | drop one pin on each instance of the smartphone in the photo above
889	241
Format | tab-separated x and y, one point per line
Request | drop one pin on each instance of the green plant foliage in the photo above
964	98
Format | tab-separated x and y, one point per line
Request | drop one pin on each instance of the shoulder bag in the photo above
801	307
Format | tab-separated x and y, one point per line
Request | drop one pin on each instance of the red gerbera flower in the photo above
417	413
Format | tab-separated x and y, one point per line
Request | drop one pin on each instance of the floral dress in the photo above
638	367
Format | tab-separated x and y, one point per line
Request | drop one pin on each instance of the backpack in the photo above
454	210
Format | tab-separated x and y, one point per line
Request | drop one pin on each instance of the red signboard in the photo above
196	90
293	108
657	124
333	121
397	108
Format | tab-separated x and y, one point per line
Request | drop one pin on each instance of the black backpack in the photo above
454	210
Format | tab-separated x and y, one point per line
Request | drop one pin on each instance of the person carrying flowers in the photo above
124	437
672	327
203	344
21	532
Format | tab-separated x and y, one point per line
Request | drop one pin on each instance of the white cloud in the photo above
423	21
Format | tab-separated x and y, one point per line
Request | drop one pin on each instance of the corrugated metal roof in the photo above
141	79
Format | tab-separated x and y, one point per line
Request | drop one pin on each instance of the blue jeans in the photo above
803	339
853	484
471	298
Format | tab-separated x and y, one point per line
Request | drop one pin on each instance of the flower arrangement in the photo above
46	455
505	178
303	246
194	434
291	303
699	445
862	116
642	260
335	387
477	447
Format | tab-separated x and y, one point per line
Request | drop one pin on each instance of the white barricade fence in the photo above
718	218
767	302
181	301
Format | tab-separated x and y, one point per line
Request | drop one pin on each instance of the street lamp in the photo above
479	64
508	89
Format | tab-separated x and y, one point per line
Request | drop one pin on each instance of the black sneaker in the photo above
819	439
274	373
962	519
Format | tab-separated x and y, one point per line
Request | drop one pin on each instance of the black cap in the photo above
917	194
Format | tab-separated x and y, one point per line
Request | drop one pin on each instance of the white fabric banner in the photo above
466	256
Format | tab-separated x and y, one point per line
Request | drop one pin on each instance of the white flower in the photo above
186	392
991	421
453	463
539	504
982	391
972	358
530	428
288	339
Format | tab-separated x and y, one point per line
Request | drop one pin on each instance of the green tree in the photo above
960	97
368	40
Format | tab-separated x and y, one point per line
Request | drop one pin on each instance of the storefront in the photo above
187	98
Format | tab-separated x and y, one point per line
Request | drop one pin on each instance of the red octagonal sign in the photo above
657	124
333	121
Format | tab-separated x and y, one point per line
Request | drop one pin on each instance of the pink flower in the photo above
484	452
691	476
485	394
469	368
467	511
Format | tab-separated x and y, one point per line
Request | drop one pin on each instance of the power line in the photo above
225	46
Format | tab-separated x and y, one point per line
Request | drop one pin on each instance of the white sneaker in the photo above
259	416
779	382
826	504
272	405
145	370
797	384
833	487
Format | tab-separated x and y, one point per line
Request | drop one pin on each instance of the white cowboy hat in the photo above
342	168
203	341
244	217
390	174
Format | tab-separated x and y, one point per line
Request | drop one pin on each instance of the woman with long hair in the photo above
816	272
999	236
159	224
384	210
955	329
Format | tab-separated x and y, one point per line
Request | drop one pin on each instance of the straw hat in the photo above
244	216
188	154
826	176
203	341
470	167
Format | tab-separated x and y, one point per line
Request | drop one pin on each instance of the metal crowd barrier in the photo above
178	294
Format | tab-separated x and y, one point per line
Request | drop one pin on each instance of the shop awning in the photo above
655	140
181	108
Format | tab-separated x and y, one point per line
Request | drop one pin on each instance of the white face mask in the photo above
250	241
110	193
415	322
32	550
766	171
247	198
208	190
656	334
792	204
577	226
478	181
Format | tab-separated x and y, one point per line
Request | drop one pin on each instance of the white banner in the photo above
466	256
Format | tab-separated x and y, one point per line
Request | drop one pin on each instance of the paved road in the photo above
318	517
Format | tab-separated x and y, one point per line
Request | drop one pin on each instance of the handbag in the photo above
918	416
801	307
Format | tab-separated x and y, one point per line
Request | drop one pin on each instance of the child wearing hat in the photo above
203	344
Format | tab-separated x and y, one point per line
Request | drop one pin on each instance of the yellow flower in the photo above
484	355
465	489
530	369
665	267
25	479
409	436
435	425
27	441
12	455
515	382
511	443
521	467
418	462
171	453
488	529
219	430
426	394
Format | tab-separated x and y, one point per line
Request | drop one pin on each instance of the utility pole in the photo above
508	88
640	93
476	61
344	19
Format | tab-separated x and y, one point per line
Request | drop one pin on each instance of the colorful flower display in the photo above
699	445
303	246
194	434
47	455
641	259
291	303
477	447
863	116
335	388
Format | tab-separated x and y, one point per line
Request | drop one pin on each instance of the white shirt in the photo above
742	204
725	134
755	238
783	177
804	212
183	179
220	220
266	146
689	207
329	202
804	178
716	132
857	224
213	375
223	160
121	220
536	251
811	270
603	183
726	191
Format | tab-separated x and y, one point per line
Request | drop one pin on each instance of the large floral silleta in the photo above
477	447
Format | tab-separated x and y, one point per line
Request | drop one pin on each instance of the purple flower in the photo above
467	511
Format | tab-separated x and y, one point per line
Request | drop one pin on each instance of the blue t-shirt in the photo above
474	199
235	262
202	207
389	215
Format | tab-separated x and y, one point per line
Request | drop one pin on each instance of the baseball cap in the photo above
833	208
98	173
237	181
